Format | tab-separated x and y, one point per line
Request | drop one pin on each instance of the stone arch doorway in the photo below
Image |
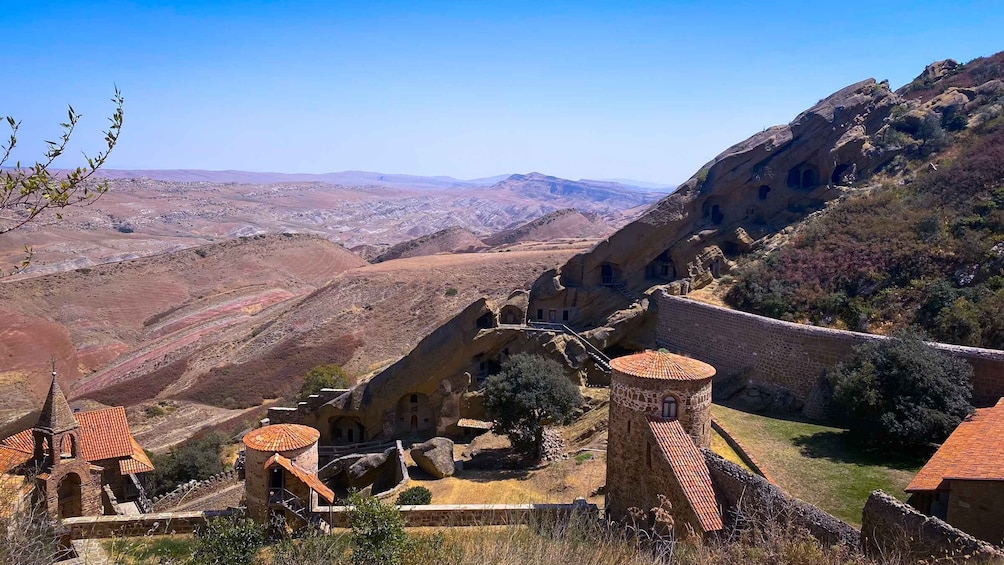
68	494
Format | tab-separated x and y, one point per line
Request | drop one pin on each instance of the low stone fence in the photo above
740	449
154	524
752	498
195	489
892	527
446	515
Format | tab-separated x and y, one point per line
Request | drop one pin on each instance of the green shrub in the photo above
323	376
230	540
378	536
529	391
414	496
583	457
902	392
194	459
451	292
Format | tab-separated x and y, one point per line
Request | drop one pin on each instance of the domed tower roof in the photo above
281	437
663	366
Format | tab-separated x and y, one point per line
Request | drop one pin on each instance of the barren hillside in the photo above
567	223
451	240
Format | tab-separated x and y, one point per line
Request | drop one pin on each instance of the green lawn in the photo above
820	464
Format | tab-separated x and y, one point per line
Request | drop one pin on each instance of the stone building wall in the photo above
256	477
790	355
977	507
757	500
447	515
890	527
636	470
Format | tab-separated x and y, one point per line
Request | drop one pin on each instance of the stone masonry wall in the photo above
890	527
754	498
790	355
445	515
195	489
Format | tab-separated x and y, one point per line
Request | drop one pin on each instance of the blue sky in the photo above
642	90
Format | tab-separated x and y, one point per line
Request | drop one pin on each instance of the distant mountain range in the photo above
355	178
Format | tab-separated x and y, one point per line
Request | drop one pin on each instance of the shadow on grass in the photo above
843	447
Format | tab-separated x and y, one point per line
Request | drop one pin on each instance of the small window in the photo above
540	313
669	407
648	455
426	420
338	433
414	399
564	315
629	426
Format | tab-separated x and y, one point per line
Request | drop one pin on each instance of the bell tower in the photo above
57	433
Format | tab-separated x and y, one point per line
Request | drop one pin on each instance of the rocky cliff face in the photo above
749	191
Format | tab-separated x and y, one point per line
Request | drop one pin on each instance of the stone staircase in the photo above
598	357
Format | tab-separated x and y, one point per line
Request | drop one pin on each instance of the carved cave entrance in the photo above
414	414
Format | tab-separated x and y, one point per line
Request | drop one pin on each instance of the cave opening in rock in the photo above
763	192
716	215
840	174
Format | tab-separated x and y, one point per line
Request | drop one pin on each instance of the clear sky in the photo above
641	90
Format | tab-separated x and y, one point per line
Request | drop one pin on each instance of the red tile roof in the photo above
690	470
138	462
662	365
308	478
16	450
974	451
281	437
105	434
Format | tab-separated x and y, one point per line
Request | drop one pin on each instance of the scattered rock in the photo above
365	471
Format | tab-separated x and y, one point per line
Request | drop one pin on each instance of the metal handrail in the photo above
565	329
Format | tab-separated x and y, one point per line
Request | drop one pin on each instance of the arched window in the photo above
67	449
414	399
669	407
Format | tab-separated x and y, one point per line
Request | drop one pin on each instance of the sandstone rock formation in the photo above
435	457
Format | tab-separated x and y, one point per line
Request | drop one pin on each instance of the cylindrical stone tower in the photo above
658	385
293	441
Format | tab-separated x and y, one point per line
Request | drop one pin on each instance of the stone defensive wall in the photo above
891	527
749	497
193	490
449	515
793	356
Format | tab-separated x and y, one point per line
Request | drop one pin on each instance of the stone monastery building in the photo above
963	482
660	415
87	463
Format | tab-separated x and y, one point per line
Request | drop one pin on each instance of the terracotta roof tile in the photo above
662	365
16	450
690	470
281	437
308	478
105	434
974	451
138	462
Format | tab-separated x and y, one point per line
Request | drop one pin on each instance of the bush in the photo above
323	376
194	459
450	292
414	496
378	536
231	540
529	391
902	392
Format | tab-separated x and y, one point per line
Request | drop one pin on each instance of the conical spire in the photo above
56	414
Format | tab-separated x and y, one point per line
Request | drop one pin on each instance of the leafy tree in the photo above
378	536
230	540
414	496
529	391
28	192
902	392
323	376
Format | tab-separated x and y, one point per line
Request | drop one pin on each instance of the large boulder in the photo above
366	470
435	457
